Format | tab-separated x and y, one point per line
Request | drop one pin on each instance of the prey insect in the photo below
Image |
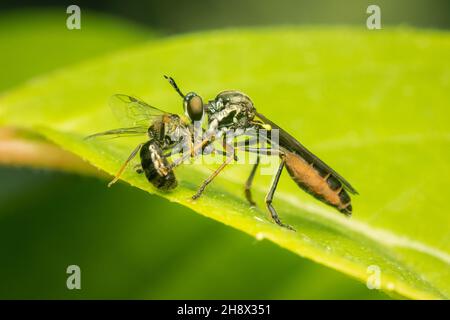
165	131
233	110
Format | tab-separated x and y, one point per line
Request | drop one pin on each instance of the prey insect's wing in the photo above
121	132
136	115
133	112
291	144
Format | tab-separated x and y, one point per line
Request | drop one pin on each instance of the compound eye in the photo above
194	107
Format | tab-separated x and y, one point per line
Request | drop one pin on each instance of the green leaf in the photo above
38	196
374	105
127	252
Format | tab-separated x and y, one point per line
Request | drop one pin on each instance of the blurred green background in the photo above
130	244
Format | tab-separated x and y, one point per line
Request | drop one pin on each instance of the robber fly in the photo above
234	110
165	131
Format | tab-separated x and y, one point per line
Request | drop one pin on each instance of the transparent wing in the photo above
132	112
121	132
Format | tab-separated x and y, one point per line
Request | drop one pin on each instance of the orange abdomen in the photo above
322	185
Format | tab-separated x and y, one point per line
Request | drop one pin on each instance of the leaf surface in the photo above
373	105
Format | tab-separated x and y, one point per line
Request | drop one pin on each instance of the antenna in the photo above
174	85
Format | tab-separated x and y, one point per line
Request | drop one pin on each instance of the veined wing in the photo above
133	112
291	144
121	132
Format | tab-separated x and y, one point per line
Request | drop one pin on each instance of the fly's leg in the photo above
215	173
223	153
258	151
248	183
122	168
269	197
265	151
226	146
193	150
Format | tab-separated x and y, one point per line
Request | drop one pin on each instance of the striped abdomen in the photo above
322	185
156	166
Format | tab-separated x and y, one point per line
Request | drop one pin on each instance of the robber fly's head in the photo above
193	106
192	102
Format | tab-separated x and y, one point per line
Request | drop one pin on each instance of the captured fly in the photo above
234	110
164	131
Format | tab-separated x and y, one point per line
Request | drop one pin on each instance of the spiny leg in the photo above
269	197
248	183
215	173
122	168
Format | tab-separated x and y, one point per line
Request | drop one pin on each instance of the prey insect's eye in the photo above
193	106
